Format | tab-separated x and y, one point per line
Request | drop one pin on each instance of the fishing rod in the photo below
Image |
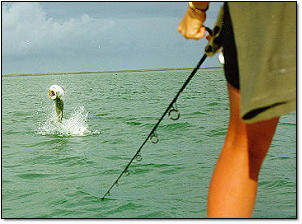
152	135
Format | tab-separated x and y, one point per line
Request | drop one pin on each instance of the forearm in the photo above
191	26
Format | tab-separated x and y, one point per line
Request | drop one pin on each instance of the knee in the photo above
259	137
249	145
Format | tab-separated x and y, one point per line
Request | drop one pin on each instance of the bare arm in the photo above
191	26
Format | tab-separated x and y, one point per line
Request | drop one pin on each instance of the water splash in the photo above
75	125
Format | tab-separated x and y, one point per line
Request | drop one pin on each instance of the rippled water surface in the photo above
53	170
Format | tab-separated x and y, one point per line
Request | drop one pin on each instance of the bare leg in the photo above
233	187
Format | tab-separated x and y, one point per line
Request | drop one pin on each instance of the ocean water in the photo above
52	170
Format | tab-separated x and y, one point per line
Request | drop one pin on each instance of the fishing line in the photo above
153	137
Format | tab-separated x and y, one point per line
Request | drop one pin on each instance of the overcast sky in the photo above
96	36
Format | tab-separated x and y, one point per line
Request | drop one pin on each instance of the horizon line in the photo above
95	72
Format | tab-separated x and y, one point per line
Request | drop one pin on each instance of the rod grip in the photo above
209	30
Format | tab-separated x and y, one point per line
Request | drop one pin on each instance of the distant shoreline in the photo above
102	72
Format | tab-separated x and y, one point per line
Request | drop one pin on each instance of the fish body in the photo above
56	93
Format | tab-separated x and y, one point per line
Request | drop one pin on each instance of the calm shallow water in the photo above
61	171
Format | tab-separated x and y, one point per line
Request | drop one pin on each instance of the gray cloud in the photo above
26	29
50	37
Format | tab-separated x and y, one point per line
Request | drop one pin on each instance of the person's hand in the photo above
191	26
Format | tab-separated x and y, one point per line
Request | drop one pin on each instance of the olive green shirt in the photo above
265	37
